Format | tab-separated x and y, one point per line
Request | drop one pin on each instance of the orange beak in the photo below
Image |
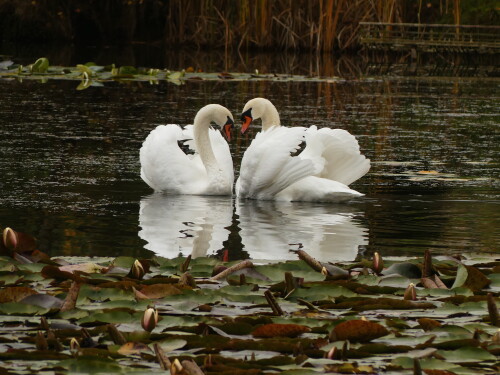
247	120
228	129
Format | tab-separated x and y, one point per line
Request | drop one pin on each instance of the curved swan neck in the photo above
202	139
270	116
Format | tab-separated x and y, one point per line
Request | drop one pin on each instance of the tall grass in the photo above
319	25
285	24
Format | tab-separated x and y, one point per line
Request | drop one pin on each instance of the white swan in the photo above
321	172
166	168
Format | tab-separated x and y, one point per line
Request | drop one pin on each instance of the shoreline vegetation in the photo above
299	25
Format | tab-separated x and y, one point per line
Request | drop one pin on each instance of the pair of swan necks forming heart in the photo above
330	161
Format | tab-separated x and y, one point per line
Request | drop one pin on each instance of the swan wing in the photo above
317	189
165	167
267	166
335	154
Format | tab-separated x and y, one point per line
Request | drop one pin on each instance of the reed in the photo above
321	25
318	25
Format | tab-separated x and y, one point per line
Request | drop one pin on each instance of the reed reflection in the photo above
273	230
184	225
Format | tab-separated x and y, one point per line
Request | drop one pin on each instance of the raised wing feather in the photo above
165	167
267	166
339	152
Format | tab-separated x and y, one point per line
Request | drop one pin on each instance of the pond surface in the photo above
69	168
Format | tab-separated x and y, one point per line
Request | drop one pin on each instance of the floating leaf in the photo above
40	66
15	293
406	269
279	330
358	331
82	267
470	277
467	354
133	348
43	300
156	291
428	324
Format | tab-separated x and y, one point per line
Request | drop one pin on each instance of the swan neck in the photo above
270	117
203	145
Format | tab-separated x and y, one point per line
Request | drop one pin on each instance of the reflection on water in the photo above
182	225
199	226
69	168
272	230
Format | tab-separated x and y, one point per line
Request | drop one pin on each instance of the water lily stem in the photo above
273	303
313	263
239	266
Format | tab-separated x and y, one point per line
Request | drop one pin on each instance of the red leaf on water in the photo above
279	330
358	331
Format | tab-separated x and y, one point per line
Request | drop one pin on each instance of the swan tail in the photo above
336	155
316	189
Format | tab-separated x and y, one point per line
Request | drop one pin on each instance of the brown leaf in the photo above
15	293
133	348
156	291
358	331
279	330
476	280
428	324
52	272
38	256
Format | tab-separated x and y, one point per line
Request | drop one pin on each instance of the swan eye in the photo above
247	113
229	122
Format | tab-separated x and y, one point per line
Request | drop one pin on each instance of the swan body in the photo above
166	168
330	161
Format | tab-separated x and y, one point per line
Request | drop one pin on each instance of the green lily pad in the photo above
467	354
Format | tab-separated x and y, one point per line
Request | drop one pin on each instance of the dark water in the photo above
69	169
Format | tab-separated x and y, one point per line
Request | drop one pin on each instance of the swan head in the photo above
259	108
218	114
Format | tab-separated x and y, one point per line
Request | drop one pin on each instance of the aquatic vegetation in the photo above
194	316
90	74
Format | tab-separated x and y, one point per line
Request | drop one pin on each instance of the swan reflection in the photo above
184	225
181	225
272	230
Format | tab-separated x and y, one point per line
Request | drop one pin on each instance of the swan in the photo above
330	161
166	168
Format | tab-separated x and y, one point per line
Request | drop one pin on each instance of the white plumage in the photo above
321	172
165	167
